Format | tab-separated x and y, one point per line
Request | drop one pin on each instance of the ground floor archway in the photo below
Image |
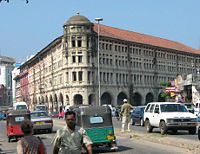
137	99
121	96
149	98
106	98
78	99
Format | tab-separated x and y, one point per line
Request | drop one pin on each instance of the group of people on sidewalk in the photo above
68	139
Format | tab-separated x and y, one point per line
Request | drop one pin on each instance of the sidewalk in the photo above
193	146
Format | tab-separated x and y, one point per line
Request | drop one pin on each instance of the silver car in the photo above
41	121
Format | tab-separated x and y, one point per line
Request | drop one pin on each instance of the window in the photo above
80	76
73	59
173	108
88	59
80	59
88	42
89	74
151	108
96	120
156	109
73	42
67	77
79	43
74	76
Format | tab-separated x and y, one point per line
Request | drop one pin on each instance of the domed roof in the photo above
77	19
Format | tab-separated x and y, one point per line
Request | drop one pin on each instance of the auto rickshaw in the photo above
14	119
96	121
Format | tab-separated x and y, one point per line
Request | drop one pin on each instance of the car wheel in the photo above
133	123
192	131
163	128
141	122
9	139
199	133
148	126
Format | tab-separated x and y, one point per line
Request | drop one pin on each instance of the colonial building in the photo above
131	65
6	67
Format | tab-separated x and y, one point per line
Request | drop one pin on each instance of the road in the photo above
127	142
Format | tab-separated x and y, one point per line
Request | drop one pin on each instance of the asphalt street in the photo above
127	142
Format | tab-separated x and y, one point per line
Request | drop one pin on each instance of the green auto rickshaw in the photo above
97	124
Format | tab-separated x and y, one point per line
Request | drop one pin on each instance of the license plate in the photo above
109	137
183	124
39	123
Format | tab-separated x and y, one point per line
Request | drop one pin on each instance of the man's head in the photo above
125	100
27	127
70	118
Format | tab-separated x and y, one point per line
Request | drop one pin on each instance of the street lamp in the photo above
99	82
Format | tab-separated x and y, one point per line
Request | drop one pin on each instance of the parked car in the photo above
41	121
169	116
54	114
137	115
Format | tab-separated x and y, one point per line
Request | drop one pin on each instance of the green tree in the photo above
165	83
164	94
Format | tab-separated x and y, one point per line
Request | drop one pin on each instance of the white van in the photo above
20	106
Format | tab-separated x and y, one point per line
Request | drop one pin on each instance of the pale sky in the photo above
25	29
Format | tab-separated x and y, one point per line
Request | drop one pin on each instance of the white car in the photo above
169	116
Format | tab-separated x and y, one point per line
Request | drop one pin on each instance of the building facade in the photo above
131	64
16	82
6	67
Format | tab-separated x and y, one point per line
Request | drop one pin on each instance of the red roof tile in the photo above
142	38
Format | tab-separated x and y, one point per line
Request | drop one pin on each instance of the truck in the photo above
20	106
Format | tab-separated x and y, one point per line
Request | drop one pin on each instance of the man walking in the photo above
126	117
68	140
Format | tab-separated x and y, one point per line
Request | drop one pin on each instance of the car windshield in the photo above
39	115
96	120
21	107
189	106
173	108
41	108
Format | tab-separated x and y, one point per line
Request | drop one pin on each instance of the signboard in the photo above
170	89
188	80
195	95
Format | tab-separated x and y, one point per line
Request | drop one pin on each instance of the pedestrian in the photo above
29	144
69	139
126	117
